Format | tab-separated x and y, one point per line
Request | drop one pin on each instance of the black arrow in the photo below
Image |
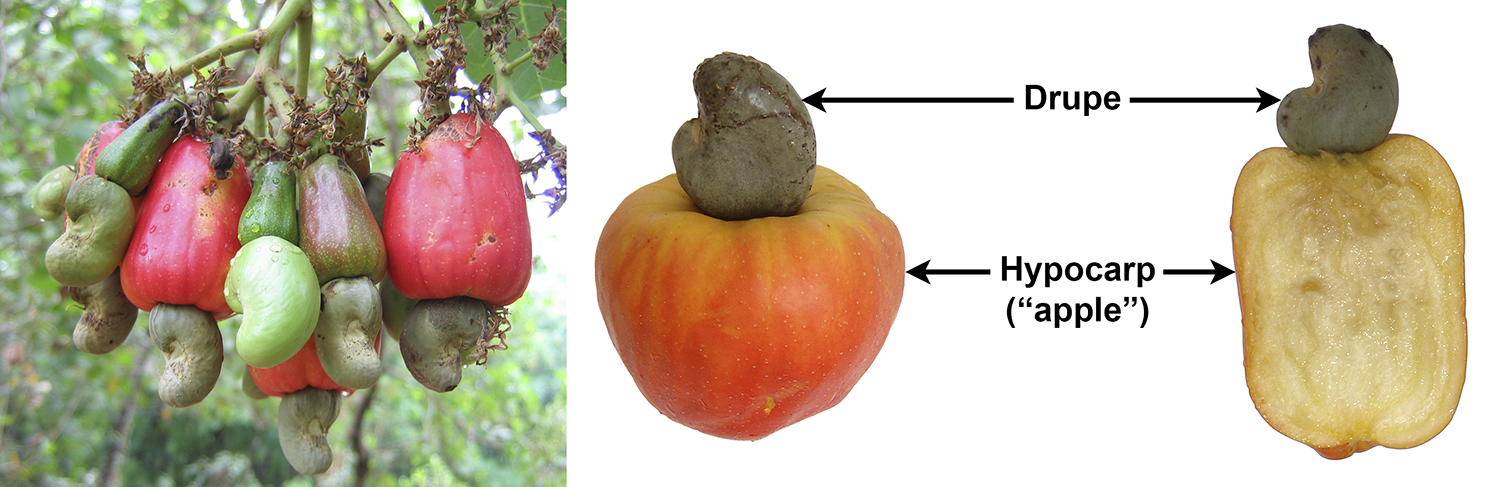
1265	100
921	271
817	100
1219	271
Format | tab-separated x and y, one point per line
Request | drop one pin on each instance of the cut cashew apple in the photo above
1351	275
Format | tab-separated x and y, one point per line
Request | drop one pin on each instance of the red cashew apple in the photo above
301	371
741	328
455	217
186	232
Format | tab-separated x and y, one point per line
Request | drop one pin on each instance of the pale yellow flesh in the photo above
1351	275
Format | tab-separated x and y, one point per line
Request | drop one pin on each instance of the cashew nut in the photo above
1351	104
348	332
51	193
302	423
438	336
194	348
103	219
247	385
751	151
273	284
108	316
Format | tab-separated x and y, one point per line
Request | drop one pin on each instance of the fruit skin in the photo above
272	208
301	371
186	233
132	159
339	233
273	284
455	217
739	329
103	137
1351	278
98	236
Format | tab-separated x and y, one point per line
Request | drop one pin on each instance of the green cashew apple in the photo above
272	283
394	306
272	208
339	233
103	219
131	159
247	385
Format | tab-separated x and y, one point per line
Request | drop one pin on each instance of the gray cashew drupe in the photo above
1351	104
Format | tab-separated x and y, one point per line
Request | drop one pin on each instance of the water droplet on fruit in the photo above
152	229
166	208
273	258
143	250
275	247
254	228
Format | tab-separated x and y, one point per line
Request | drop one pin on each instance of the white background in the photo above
957	397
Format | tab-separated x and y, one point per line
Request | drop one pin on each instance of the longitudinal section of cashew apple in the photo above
1351	272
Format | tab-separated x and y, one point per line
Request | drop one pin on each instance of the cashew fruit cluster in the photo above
305	284
160	219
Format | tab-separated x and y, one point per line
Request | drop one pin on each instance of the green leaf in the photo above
65	145
43	282
527	81
477	63
103	74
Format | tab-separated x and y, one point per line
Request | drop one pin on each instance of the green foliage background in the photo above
65	414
